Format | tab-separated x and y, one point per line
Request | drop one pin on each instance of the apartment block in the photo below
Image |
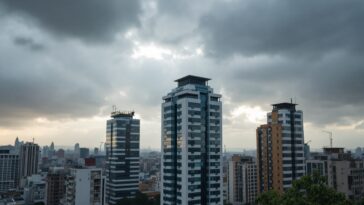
242	180
280	148
191	144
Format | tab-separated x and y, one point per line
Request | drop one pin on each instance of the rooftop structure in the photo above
284	105
117	113
191	79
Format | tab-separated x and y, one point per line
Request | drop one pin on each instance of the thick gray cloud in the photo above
302	28
308	50
29	43
90	20
44	92
256	52
328	90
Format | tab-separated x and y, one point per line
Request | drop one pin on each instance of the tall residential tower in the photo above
191	144
9	168
29	157
280	153
122	156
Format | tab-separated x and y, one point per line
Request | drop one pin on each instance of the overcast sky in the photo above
63	64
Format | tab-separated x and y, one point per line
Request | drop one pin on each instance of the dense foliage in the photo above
309	190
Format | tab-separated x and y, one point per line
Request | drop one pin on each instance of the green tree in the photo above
360	202
309	190
269	198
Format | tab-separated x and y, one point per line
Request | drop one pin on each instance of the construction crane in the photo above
330	136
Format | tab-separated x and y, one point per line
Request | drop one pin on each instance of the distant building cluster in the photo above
192	167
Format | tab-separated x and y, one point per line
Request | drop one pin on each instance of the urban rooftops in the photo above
191	79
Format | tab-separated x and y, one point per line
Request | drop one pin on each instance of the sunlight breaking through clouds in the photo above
251	114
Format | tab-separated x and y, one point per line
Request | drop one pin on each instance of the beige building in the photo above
242	180
345	174
280	153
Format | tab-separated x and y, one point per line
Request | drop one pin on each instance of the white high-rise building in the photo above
84	186
9	168
122	156
35	189
191	144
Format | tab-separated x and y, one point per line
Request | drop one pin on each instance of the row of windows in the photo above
290	161
289	135
290	141
289	148
297	129
297	116
190	105
290	168
289	122
290	155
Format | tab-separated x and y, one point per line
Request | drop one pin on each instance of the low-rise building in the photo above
84	186
55	185
343	172
35	189
242	180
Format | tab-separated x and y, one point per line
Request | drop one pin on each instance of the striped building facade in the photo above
191	144
122	156
280	148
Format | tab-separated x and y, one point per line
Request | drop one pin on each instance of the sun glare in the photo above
151	51
251	114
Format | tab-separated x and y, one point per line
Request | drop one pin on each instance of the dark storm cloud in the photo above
258	52
29	43
329	90
302	28
91	20
54	95
307	50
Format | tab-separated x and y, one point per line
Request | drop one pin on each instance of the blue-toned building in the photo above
192	144
9	168
122	156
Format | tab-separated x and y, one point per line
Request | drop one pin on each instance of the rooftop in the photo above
116	114
330	150
191	79
284	105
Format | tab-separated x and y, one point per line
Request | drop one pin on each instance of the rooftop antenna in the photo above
114	108
330	136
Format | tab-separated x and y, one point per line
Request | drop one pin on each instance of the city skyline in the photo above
61	74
